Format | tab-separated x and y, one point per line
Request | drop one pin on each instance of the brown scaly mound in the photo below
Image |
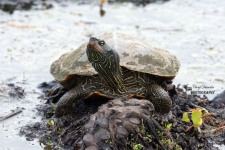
128	124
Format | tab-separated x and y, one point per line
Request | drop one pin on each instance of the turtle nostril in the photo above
93	38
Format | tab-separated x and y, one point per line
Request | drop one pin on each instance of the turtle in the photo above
112	66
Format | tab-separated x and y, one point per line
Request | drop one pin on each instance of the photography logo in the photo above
199	89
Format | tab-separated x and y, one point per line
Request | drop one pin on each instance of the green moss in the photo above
51	123
137	147
142	127
146	136
109	142
134	145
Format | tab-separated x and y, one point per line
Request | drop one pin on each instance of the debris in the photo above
112	125
13	113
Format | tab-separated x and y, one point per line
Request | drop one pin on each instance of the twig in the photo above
13	113
189	128
16	25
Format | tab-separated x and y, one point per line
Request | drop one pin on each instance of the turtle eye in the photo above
101	42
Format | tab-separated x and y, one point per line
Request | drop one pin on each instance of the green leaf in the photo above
185	117
137	147
168	126
196	117
51	123
49	143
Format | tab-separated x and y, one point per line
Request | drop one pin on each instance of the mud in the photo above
12	90
88	126
11	5
138	2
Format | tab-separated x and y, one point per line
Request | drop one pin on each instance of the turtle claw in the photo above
55	93
55	90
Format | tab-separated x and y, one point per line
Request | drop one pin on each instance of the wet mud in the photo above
12	90
11	5
128	124
138	2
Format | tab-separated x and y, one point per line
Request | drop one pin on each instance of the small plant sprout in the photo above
168	126
51	123
137	147
196	117
185	117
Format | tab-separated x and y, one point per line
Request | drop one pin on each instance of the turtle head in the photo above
106	62
98	51
103	57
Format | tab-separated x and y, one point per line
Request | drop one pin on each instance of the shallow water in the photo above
31	40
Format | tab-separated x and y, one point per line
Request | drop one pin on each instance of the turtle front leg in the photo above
66	102
55	93
160	99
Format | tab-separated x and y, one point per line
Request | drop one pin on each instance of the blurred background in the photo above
34	33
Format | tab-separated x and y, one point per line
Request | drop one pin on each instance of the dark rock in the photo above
16	91
138	2
146	112
129	126
12	5
89	140
135	120
91	148
117	102
102	134
118	121
219	101
89	125
122	131
132	102
117	114
103	122
220	97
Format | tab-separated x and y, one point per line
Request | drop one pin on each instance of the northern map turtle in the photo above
115	65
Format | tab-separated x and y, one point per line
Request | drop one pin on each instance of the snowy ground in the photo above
31	40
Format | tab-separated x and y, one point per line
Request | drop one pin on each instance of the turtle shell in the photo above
134	55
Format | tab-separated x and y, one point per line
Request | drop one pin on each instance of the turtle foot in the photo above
55	93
